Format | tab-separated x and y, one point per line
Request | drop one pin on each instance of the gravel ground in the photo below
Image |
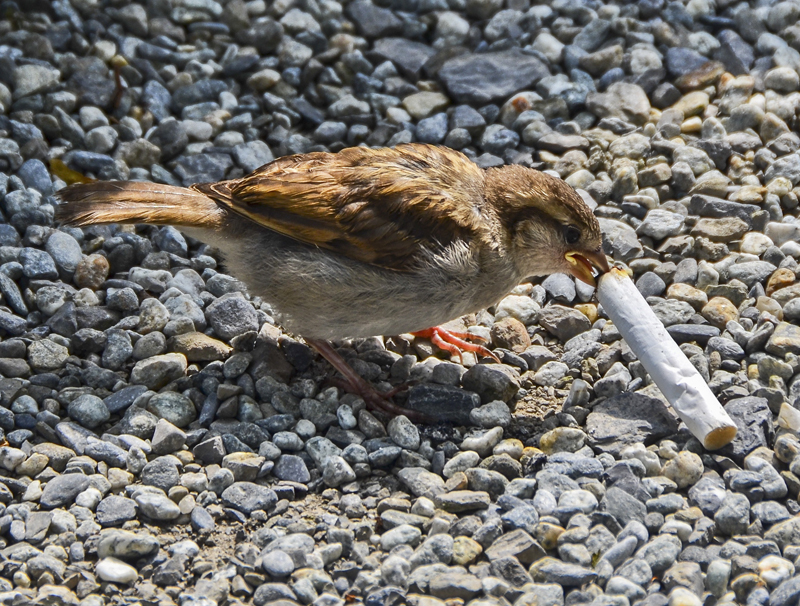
166	443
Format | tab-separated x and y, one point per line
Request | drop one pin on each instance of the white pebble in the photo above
116	571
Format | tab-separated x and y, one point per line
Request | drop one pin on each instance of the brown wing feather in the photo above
379	206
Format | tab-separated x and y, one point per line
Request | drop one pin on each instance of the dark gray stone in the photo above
373	21
753	419
119	401
37	264
409	56
709	206
627	419
109	453
248	497
623	506
786	593
292	468
115	511
681	61
62	490
491	382
650	285
231	316
687	333
482	78
203	168
449	404
161	473
88	410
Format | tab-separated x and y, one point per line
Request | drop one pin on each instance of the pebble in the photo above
685	469
113	570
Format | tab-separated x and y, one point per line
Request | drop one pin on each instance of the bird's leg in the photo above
359	385
455	342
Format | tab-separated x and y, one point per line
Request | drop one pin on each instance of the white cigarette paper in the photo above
668	366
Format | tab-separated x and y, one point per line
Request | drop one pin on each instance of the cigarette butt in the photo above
667	365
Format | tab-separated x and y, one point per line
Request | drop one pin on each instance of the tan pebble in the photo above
465	550
707	74
562	439
719	311
458	481
667	450
186	504
692	125
119	478
724	81
682	530
749	194
263	80
105	50
510	446
589	310
681	596
770	306
184	456
424	104
547	534
685	292
33	492
519	306
780	186
692	103
712	183
199	347
780	278
525	289
685	469
690	515
21	579
33	465
176	493
91	272
510	333
725	229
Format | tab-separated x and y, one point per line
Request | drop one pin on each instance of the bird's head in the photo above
551	228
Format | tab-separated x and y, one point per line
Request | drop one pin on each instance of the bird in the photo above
369	241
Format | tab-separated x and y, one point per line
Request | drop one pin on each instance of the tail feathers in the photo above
136	202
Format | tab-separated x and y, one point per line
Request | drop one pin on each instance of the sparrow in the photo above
369	242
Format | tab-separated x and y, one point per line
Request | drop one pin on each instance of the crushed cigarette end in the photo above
667	365
719	437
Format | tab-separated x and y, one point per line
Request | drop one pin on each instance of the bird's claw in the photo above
455	342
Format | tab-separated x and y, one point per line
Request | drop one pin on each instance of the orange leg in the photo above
373	398
454	342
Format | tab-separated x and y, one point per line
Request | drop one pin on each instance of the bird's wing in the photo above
378	206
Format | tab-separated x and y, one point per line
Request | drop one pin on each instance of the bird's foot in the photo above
455	342
358	385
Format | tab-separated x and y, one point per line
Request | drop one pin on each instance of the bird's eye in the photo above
572	234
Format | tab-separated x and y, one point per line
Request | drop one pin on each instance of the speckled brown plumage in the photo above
369	241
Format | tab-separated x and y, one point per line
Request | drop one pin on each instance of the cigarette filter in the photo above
669	368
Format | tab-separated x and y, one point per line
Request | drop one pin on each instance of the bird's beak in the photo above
582	264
